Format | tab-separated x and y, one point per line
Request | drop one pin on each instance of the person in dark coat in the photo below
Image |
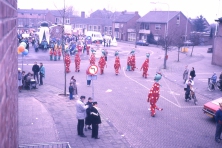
96	120
88	119
218	118
192	73
35	69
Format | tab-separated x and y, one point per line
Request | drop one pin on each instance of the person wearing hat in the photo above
96	120
92	59
128	63
154	94
218	118
117	64
19	79
77	61
88	119
102	62
133	60
81	115
145	66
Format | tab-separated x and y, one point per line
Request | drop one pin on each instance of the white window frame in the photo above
67	21
132	36
157	26
116	25
178	20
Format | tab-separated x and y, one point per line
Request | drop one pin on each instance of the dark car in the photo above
142	43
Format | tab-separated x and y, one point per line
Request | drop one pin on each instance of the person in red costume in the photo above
154	95
59	53
145	66
77	61
67	62
117	65
92	59
51	54
128	63
133	60
102	62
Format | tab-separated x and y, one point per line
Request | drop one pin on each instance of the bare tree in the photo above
166	43
195	39
178	41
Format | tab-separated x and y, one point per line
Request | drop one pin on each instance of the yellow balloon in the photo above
19	52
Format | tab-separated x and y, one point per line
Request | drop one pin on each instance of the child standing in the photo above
71	90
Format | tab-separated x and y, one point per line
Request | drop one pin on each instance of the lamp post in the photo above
166	32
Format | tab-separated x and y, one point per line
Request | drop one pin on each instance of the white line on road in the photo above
149	89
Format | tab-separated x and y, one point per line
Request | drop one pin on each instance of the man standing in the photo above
19	79
96	120
81	115
185	74
35	69
154	94
41	73
117	65
145	66
102	62
218	118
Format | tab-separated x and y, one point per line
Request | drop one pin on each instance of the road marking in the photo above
109	90
149	89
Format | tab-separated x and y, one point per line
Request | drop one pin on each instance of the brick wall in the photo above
217	56
8	73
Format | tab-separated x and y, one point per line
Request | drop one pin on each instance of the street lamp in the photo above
166	32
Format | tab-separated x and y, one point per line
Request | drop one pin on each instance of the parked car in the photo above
142	43
188	43
211	107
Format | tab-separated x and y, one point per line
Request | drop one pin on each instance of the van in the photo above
95	36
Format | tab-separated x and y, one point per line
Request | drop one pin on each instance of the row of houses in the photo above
126	26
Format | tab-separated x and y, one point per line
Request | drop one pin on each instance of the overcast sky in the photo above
191	8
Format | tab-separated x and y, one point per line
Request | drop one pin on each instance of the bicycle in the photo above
191	96
213	86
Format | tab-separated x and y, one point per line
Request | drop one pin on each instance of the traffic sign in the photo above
93	69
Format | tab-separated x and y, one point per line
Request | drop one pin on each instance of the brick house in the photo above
156	22
102	25
30	18
217	50
124	26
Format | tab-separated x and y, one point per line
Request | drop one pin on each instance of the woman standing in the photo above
192	73
41	73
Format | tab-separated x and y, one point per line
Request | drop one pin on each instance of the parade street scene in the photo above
128	118
110	74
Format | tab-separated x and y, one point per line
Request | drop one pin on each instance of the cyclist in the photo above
214	79
189	84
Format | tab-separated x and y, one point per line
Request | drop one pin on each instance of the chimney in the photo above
136	12
83	14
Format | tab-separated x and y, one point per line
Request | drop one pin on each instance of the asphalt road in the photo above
122	98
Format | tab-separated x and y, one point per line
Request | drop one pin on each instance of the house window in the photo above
77	26
131	36
105	29
80	26
178	19
99	28
30	13
57	20
110	28
90	28
116	25
95	28
157	27
67	21
22	13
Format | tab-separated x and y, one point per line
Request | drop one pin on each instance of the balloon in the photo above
19	52
25	52
23	44
21	48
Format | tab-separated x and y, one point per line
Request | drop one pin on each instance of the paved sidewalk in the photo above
44	116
